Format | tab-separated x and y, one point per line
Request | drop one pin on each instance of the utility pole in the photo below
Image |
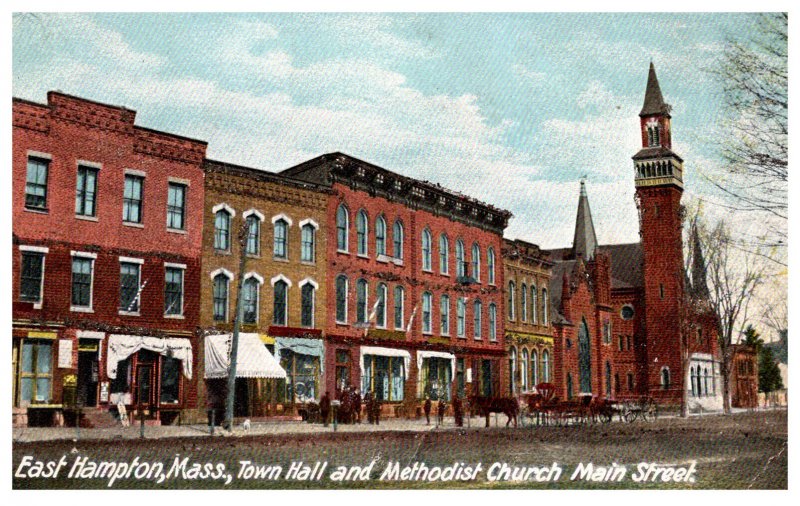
244	232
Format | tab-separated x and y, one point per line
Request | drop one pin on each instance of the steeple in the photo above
585	241
653	99
699	285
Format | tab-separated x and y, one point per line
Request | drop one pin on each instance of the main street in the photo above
744	450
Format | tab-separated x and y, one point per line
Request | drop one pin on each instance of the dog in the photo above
246	425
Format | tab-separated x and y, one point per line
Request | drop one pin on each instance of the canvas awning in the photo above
423	354
122	346
385	352
253	359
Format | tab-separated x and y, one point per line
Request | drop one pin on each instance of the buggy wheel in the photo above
605	416
630	413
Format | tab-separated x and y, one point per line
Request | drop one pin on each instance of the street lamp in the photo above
244	233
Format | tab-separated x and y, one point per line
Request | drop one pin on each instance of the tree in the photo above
733	274
753	74
752	338
769	375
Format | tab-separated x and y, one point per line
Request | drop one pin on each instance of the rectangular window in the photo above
173	291
221	298
82	281
170	380
342	369
31	276
86	191
36	183
461	310
307	243
253	235
36	372
176	206
129	275
399	295
384	377
444	313
132	199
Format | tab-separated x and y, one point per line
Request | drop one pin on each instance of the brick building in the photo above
413	286
529	334
106	263
626	315
284	285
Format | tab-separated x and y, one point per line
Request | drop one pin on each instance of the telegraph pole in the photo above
244	232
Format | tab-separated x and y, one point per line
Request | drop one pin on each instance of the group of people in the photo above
349	407
441	409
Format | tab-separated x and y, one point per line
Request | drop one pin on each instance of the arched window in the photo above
307	305
512	288
534	305
512	369
281	229
476	262
222	230
399	303
253	235
534	368
342	227
665	379
280	291
477	310
460	268
545	315
523	302
380	309
444	313
490	264
705	380
397	237
692	377
523	369
427	302
427	261
492	322
362	234
380	235
250	300
221	287
546	366
608	379
361	301
308	245
461	317
444	251
341	298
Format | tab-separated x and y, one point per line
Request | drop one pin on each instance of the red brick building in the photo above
626	315
414	277
107	228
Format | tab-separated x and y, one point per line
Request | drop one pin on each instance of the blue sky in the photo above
510	108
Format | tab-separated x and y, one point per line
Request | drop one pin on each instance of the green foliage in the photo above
769	376
752	338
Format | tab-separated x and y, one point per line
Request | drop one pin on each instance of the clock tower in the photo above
659	186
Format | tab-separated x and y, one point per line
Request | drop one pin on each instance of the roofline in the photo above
209	164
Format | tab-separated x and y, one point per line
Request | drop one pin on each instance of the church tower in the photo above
659	186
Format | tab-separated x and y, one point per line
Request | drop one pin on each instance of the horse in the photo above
487	405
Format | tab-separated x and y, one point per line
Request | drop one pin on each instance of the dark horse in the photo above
487	405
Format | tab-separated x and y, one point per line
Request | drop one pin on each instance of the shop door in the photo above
145	391
87	374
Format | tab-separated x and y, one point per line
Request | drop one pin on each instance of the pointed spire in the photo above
585	241
653	99
699	285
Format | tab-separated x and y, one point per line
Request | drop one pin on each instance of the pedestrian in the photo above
357	404
368	402
458	412
427	409
442	409
376	405
325	408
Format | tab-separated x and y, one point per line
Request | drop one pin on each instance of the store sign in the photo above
104	391
65	353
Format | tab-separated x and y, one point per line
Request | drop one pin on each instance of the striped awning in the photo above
253	359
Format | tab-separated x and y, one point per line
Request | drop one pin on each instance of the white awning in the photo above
253	359
121	346
386	352
423	354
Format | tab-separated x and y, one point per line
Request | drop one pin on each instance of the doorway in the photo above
88	372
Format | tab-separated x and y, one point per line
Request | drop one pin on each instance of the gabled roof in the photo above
626	263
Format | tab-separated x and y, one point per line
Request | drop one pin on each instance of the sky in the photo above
513	109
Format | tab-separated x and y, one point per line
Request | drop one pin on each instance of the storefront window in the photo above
302	375
436	377
170	380
384	377
36	373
